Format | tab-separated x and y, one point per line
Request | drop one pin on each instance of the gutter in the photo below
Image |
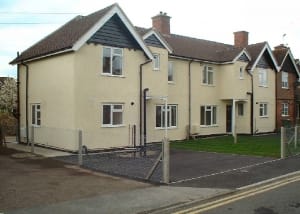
141	98
26	102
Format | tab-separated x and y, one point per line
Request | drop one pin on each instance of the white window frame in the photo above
241	73
206	77
208	109
36	114
264	108
284	80
113	110
284	109
170	72
156	62
112	55
240	109
169	116
263	78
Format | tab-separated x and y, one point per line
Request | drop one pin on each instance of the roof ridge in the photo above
205	40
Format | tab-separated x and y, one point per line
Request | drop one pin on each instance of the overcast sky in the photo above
214	20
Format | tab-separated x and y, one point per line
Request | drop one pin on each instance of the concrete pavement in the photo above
136	201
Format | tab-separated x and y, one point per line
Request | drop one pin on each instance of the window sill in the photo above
263	86
208	126
36	126
112	126
285	88
171	82
162	128
208	85
285	115
263	116
111	75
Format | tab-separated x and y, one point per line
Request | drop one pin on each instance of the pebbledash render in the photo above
111	80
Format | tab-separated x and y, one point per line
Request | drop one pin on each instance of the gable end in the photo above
114	33
153	41
265	61
243	58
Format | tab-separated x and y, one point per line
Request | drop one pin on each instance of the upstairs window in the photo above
241	73
36	114
284	109
208	75
263	78
284	79
112	114
208	115
170	72
112	61
156	62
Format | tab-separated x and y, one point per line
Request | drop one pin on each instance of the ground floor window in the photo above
263	109
284	109
36	114
208	115
112	114
297	110
240	109
171	116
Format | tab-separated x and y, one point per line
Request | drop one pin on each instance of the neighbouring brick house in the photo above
286	83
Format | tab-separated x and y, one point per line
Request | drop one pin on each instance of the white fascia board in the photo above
161	39
244	51
115	10
47	55
289	53
199	60
266	47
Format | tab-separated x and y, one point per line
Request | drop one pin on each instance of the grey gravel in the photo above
123	163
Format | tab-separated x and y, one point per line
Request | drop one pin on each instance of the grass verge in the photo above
266	145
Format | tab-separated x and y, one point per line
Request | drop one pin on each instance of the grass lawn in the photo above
266	145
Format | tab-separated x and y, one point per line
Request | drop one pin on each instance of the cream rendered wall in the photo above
51	85
93	89
157	82
267	95
233	87
206	95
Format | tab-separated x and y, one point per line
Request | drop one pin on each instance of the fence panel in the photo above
290	141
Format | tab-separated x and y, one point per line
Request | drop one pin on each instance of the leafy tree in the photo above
8	95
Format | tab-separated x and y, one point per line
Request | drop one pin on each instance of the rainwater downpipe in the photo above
252	105
26	102
141	98
145	118
190	100
18	102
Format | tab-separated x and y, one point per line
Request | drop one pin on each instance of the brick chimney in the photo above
241	39
281	47
161	23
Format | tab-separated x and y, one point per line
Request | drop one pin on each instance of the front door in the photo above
228	118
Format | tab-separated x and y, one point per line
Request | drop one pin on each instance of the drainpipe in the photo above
140	97
145	119
252	105
18	103
26	102
190	100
